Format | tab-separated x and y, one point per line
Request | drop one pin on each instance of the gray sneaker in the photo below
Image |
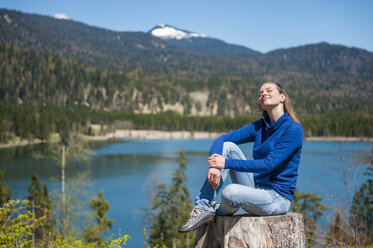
197	218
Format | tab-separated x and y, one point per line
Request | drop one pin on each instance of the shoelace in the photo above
194	213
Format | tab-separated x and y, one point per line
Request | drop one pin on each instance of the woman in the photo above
265	185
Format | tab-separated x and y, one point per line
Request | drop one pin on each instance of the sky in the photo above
263	25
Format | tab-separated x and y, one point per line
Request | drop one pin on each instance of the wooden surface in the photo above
242	231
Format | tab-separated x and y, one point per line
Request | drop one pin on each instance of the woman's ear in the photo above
282	97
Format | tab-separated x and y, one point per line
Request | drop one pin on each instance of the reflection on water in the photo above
123	169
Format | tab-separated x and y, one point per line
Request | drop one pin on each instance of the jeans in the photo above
242	193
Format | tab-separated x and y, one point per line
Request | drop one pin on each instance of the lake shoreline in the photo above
159	134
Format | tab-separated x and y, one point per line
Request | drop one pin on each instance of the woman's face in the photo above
269	96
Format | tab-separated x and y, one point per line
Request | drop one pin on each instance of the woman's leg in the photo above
242	192
205	201
206	198
232	151
257	201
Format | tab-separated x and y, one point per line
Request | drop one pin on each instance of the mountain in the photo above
324	58
125	51
200	43
128	51
46	60
91	45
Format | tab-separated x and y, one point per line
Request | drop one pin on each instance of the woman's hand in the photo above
213	177
217	161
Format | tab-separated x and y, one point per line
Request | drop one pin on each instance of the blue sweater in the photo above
276	153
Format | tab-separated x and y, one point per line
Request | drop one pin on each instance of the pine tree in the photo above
34	189
159	230
93	232
39	199
361	212
180	202
5	191
171	206
46	204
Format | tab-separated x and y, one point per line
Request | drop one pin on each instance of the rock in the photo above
243	231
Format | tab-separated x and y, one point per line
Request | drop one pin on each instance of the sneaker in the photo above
197	218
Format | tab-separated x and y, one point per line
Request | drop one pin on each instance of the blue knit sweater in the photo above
276	153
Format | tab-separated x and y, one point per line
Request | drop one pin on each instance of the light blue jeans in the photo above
242	193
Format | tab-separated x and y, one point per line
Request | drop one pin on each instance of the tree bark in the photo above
243	231
63	162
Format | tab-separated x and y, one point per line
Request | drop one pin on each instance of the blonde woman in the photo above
264	185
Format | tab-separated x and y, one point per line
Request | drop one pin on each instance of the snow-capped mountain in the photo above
199	43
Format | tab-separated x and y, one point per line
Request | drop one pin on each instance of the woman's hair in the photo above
287	103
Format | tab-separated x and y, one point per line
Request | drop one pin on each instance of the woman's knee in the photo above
229	192
229	146
228	204
231	150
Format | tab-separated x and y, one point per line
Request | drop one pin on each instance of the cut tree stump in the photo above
243	231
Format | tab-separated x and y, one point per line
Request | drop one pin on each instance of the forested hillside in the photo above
33	78
325	59
42	94
47	63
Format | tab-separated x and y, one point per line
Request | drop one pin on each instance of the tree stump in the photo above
244	231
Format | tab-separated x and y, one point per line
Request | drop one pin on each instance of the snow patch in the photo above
61	16
167	32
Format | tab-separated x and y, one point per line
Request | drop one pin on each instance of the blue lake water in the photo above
125	169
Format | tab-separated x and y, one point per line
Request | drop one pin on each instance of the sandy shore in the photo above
158	134
340	139
21	143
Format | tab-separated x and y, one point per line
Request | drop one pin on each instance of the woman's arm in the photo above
239	136
289	143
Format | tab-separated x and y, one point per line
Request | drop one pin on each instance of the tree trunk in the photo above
33	222
243	231
63	162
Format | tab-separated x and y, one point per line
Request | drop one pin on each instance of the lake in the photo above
125	169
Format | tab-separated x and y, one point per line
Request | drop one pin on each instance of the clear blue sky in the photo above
261	25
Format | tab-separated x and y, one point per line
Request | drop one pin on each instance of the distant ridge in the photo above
195	56
324	58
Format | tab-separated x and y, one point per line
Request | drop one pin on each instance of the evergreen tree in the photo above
180	202
41	204
361	212
310	206
159	230
46	204
93	232
5	191
171	207
34	189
